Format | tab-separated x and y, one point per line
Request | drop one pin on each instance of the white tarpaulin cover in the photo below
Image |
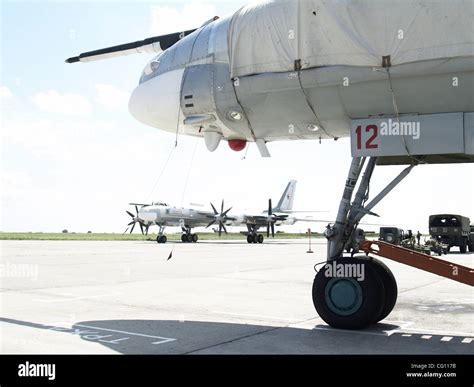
270	36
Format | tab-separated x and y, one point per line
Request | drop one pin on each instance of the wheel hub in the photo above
343	296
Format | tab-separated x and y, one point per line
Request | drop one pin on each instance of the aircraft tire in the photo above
463	246
345	302
390	285
260	238
195	238
184	238
249	239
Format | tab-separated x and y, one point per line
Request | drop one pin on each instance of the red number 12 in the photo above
370	142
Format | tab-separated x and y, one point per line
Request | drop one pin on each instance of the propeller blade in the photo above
273	230
220	229
141	227
125	231
132	227
147	228
136	209
223	226
129	213
210	224
222	206
270	208
225	213
268	230
132	222
214	209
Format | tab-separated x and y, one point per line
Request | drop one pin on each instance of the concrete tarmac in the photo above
210	298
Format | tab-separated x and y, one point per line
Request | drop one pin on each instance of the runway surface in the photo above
210	298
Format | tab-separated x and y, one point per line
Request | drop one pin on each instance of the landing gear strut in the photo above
161	238
253	237
187	236
354	292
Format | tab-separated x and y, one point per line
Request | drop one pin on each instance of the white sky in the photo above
72	156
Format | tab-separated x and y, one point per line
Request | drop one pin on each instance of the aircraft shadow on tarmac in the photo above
188	337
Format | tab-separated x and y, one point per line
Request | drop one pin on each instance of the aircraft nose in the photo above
156	102
148	215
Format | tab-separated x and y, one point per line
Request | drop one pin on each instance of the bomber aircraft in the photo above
395	76
164	215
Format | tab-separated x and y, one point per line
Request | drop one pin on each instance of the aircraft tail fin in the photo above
286	201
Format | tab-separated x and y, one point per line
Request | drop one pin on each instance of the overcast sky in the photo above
72	156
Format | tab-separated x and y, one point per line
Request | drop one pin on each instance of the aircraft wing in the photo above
304	212
260	220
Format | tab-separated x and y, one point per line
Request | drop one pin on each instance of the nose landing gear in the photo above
161	238
354	292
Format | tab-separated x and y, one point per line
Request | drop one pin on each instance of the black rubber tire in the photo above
372	300
164	239
195	238
260	238
463	247
190	238
158	239
249	239
255	239
184	238
390	286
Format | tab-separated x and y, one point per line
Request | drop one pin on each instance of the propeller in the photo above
135	220
220	218
272	219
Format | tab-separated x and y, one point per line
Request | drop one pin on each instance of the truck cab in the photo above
391	235
452	230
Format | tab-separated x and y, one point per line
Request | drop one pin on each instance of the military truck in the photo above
471	239
392	235
452	230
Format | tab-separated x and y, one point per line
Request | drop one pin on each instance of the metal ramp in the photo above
420	261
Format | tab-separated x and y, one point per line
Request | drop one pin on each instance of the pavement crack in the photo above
232	340
421	286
